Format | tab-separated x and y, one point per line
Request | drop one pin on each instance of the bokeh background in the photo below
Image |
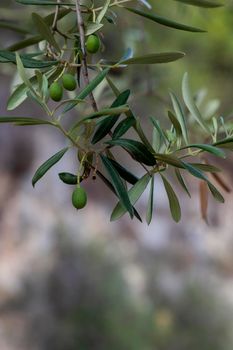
73	280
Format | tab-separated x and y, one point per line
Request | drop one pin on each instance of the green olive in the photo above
69	82
56	91
93	43
79	198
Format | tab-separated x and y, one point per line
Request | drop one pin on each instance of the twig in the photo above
84	54
54	25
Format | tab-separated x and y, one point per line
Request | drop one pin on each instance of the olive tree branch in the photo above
84	54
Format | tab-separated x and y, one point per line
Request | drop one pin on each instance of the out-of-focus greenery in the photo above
208	55
82	301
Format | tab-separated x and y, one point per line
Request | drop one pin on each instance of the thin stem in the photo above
114	3
84	54
54	25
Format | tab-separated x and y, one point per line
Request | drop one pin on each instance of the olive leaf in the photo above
164	21
106	125
134	193
118	185
42	170
173	200
150	204
136	149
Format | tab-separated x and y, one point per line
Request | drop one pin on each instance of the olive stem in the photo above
84	54
54	25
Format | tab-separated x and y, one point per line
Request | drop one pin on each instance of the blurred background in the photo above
73	280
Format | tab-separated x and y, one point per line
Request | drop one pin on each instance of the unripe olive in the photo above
79	198
69	82
92	43
56	91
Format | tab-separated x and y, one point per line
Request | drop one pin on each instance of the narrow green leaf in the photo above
137	150
156	124
22	44
28	62
164	21
173	200
207	148
111	113
123	127
140	132
150	204
156	139
123	172
180	115
206	167
175	123
118	185
197	173
189	101
92	27
103	11
201	3
135	193
24	121
155	58
22	73
42	170
106	125
45	30
182	182
169	159
110	186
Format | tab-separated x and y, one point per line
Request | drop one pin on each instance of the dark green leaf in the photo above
154	58
118	185
106	125
173	200
47	165
110	186
68	178
150	204
124	173
175	123
169	159
164	21
123	127
135	193
7	56
136	149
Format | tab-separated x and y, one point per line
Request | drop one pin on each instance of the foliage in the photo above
57	48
